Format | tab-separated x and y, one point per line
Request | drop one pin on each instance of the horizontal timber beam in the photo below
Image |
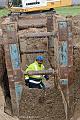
33	52
41	72
39	34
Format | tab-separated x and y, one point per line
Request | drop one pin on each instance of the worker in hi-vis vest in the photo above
35	81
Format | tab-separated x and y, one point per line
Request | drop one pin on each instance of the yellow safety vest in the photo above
34	67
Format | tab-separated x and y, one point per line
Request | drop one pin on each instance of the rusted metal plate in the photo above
12	35
64	72
4	42
9	27
50	26
18	91
15	58
64	81
63	30
70	75
70	53
63	53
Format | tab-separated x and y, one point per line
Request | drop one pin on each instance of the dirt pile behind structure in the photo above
76	29
75	86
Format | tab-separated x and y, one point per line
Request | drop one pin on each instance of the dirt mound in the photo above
41	105
76	28
75	87
76	20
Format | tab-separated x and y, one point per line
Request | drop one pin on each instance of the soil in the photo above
75	87
41	105
4	116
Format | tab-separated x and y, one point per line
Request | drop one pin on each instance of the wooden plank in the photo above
3	42
33	52
63	30
50	28
41	72
39	34
26	23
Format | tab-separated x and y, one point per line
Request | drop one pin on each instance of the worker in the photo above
35	81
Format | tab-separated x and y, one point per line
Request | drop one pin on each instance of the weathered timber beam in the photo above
39	34
31	22
6	42
36	51
29	26
41	72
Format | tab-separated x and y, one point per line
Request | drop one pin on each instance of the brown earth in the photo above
41	105
4	116
75	87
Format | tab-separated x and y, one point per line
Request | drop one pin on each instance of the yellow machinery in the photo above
35	5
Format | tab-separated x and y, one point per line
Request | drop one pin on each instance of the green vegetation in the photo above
71	10
3	12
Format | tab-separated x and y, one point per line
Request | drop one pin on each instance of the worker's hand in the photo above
46	77
26	82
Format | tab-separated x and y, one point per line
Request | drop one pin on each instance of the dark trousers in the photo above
39	86
33	85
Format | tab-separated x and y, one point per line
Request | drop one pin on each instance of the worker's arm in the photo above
29	68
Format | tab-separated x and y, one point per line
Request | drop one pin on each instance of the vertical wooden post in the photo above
12	58
50	28
65	55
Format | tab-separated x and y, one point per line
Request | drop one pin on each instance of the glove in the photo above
27	82
46	77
